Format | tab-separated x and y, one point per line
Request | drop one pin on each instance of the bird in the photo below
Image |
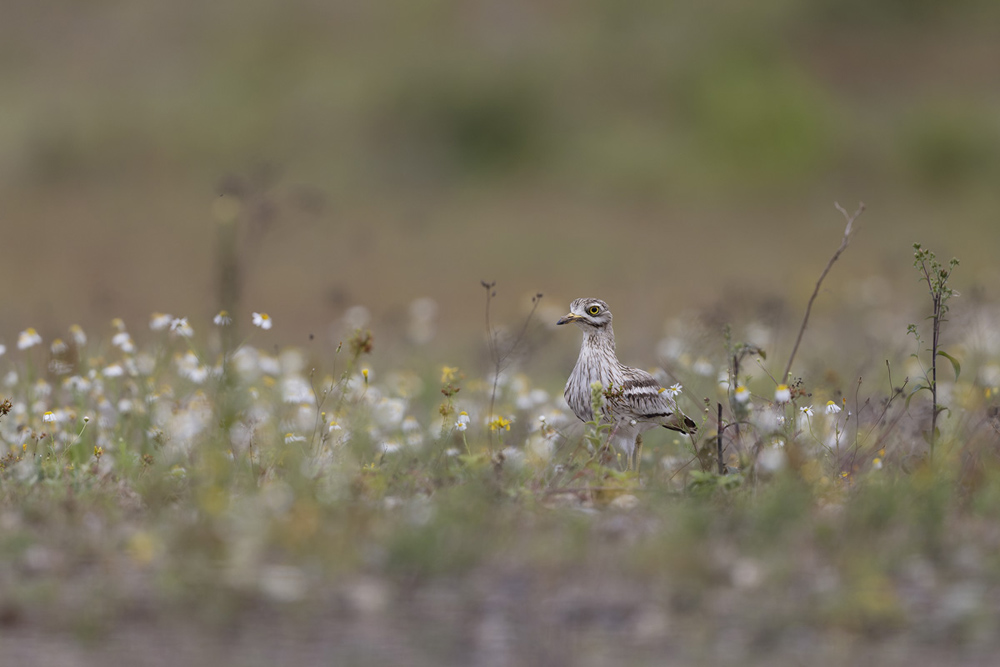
634	402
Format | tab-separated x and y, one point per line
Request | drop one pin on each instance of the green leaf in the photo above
954	362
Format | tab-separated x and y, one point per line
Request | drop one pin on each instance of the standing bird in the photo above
634	401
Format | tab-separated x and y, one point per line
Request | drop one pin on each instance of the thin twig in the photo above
718	443
843	245
678	471
500	358
492	343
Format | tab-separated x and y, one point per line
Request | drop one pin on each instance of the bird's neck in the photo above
602	339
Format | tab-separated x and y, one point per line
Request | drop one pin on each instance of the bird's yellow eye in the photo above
593	310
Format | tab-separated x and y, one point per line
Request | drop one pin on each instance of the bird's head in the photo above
588	314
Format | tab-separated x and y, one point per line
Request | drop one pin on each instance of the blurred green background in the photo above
661	155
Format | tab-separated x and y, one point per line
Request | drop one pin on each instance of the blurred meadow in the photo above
381	469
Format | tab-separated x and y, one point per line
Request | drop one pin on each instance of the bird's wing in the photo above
644	397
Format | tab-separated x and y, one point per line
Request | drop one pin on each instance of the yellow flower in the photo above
448	374
500	424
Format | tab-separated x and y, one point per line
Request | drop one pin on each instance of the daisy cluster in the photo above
163	391
880	418
167	391
76	399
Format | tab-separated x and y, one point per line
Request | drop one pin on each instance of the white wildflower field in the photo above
306	306
170	484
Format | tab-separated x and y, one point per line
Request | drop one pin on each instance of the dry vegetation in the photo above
199	497
375	475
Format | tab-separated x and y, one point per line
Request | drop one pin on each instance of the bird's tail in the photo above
679	421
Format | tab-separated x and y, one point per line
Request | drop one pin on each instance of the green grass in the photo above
277	493
252	497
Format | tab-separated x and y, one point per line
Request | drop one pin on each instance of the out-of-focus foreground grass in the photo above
205	497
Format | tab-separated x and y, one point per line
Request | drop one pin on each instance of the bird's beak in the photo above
569	318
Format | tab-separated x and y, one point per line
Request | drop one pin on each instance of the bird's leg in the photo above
638	453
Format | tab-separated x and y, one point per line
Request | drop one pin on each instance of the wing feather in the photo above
643	396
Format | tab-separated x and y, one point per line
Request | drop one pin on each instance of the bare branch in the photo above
843	246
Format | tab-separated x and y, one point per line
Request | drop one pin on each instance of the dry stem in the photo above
843	245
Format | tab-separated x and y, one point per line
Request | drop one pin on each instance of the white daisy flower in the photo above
742	394
807	411
703	367
222	319
77	383
782	394
79	337
832	408
181	327
123	341
28	338
674	390
113	371
159	321
262	320
462	422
